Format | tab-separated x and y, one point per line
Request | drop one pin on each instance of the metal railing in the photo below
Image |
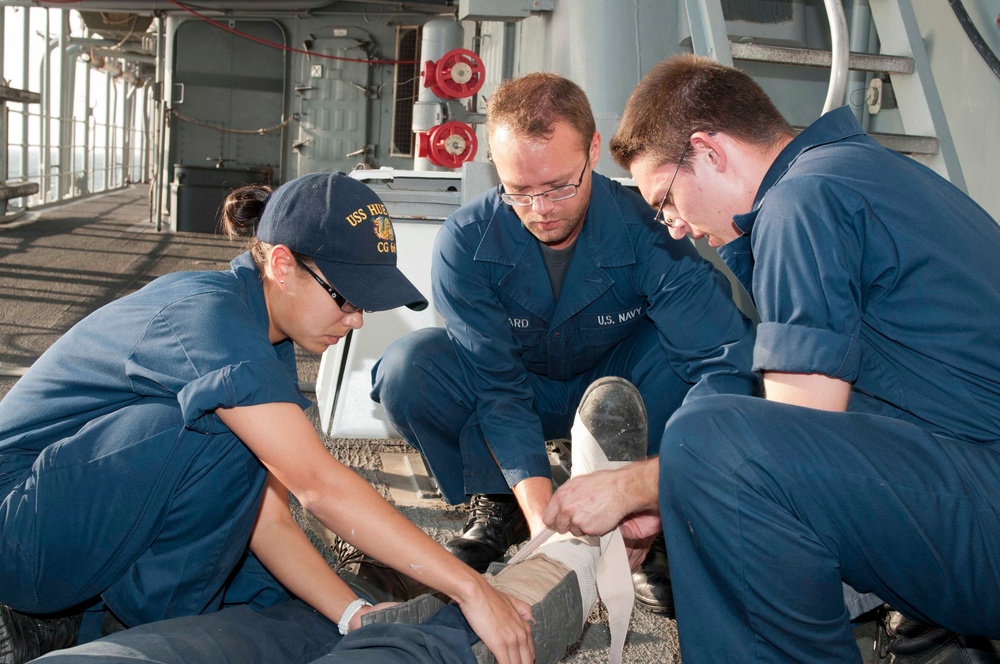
67	156
88	164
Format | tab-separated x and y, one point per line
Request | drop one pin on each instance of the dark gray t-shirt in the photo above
557	263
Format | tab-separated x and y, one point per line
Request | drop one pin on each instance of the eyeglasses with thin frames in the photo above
659	218
341	301
553	195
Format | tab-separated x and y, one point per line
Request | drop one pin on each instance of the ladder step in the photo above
17	190
886	64
927	145
924	145
15	95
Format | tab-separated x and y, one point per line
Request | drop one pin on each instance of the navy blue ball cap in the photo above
343	226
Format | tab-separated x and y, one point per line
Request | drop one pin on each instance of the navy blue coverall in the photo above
288	632
117	480
867	267
480	399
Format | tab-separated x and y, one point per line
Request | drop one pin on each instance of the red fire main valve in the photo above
448	145
459	73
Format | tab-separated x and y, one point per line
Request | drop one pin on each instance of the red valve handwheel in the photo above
459	73
448	145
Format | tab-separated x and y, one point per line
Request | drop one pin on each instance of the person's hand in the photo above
641	525
637	550
355	621
590	504
502	623
639	530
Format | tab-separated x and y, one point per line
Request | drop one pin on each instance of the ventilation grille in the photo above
407	86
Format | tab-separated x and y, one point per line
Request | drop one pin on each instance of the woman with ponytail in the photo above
146	458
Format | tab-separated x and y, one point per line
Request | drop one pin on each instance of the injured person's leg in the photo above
561	575
609	431
551	587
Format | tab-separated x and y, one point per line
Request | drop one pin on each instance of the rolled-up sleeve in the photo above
807	253
209	352
242	384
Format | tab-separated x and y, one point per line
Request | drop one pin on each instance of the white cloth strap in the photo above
614	578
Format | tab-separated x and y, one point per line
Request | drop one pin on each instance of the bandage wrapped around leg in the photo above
561	575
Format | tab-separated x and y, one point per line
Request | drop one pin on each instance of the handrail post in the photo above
841	53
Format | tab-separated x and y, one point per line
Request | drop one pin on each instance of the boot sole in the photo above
658	609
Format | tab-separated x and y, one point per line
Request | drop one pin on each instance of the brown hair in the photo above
240	213
685	94
531	104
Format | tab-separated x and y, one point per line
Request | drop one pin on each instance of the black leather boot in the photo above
912	642
495	524
653	591
613	412
24	637
373	579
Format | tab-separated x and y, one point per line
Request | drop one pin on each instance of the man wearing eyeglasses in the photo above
874	459
558	277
